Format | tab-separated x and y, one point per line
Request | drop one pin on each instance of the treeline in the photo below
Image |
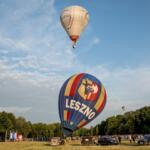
130	123
133	122
9	123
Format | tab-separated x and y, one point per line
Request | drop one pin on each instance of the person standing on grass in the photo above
119	139
130	138
133	138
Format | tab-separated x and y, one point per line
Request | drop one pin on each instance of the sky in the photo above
36	56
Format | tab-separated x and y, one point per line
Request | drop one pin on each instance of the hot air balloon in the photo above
123	108
74	19
81	99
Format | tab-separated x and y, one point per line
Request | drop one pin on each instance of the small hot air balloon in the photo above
74	19
123	108
81	99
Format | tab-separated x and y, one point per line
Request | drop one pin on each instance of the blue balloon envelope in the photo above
81	99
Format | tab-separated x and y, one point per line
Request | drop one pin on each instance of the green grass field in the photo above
45	146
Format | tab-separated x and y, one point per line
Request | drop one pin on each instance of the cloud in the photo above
15	109
38	43
90	44
40	92
36	58
127	87
128	83
95	40
13	44
30	89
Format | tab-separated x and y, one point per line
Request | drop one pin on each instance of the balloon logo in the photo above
74	19
81	99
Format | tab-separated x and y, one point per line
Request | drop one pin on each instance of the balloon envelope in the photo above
123	108
74	19
81	98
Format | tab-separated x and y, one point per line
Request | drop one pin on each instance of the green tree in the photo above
5	124
22	126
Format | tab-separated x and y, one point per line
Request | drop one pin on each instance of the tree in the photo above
22	126
103	127
5	124
131	122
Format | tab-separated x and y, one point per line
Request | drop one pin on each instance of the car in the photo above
87	140
2	136
107	140
145	140
57	141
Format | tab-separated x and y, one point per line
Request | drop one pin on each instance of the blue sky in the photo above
36	55
122	28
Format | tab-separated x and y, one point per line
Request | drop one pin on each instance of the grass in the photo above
71	146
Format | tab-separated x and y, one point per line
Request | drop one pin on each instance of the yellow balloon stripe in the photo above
68	87
65	115
100	99
81	123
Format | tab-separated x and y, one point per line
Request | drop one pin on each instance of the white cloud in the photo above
40	92
16	109
13	44
128	83
39	43
95	40
129	87
36	58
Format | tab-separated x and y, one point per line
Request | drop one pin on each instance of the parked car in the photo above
87	140
107	140
145	140
56	141
2	136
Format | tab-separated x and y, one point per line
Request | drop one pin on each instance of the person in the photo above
133	138
130	138
119	139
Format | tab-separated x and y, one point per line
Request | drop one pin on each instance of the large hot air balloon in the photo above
82	97
74	19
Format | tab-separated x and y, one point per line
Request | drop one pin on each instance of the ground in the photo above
72	146
45	146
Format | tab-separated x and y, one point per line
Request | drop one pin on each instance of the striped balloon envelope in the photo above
81	99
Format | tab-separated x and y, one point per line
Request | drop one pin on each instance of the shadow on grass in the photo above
122	144
129	144
75	144
46	144
83	145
